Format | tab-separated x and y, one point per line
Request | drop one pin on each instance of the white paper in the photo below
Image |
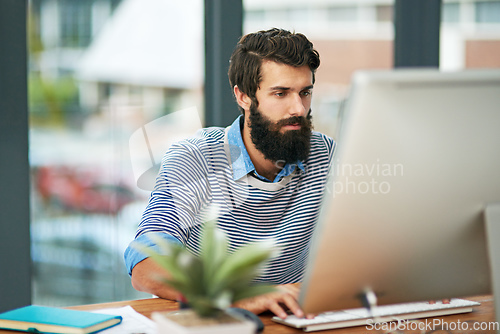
132	322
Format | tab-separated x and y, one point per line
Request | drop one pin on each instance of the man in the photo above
266	172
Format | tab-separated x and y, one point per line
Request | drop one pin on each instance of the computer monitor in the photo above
417	163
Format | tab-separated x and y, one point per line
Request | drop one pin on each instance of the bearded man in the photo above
266	172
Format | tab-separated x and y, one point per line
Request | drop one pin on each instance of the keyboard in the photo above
380	314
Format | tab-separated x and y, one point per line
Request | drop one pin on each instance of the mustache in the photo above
300	120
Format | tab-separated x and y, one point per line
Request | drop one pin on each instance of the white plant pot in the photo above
186	321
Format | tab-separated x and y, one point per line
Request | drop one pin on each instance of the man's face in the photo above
280	126
284	91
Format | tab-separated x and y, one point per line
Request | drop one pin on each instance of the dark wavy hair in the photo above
278	45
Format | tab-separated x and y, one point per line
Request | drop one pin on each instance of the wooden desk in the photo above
482	315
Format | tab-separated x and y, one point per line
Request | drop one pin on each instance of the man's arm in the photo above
146	277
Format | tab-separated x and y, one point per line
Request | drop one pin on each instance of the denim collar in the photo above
240	160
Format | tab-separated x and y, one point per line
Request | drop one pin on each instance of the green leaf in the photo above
244	257
167	262
240	280
224	299
214	251
215	279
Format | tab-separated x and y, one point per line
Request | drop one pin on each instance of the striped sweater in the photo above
196	174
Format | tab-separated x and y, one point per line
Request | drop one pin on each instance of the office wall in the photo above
482	53
223	29
15	273
339	58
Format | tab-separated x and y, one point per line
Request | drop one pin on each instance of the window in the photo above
488	11
86	100
343	14
385	13
470	35
349	35
450	12
256	16
76	20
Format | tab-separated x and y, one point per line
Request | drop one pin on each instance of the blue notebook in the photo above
44	319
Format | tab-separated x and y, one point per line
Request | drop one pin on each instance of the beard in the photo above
288	147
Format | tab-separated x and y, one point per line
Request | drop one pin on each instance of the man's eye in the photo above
279	94
306	93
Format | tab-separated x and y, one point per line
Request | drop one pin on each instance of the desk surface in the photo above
481	316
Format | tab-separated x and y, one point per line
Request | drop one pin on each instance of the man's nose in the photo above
297	107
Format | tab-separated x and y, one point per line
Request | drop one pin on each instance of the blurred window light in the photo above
450	12
76	23
257	16
488	11
98	70
299	14
348	34
343	14
385	13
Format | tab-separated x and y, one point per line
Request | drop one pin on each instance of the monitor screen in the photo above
417	161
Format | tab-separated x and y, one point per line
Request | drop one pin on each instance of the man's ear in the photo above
242	99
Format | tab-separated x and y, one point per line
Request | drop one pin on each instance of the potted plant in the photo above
209	283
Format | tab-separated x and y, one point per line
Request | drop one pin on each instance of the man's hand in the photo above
444	301
278	302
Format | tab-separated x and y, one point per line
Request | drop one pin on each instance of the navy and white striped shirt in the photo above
205	170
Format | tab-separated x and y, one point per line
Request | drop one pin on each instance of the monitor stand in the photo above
369	301
492	222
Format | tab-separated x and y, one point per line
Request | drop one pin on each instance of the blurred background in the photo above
99	70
